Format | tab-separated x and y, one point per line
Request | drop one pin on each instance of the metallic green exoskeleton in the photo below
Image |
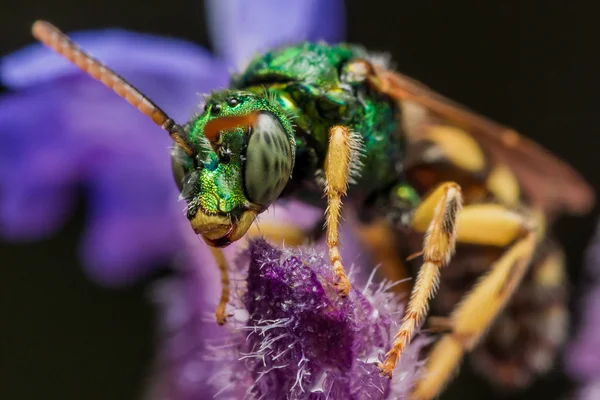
300	92
304	121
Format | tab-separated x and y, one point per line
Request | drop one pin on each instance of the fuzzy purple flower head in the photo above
294	337
187	302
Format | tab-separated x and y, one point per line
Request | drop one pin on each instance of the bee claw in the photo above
221	316
384	371
343	285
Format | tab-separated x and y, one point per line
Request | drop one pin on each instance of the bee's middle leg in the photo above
439	213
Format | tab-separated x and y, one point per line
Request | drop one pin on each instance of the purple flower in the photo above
187	304
294	337
583	356
61	130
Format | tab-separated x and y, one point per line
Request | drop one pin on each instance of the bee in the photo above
426	176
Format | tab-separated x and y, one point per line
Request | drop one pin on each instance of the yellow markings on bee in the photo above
458	146
489	224
504	185
477	223
551	272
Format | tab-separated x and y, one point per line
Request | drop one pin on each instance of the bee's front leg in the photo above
338	165
224	269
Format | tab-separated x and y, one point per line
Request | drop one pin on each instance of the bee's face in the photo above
243	157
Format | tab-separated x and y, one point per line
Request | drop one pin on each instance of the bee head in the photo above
243	155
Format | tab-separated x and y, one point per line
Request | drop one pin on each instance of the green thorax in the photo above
308	82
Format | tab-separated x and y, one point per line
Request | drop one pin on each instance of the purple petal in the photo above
128	53
35	210
73	131
37	164
187	304
132	201
583	353
241	28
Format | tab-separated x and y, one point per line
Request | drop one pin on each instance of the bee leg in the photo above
477	311
337	173
441	208
224	268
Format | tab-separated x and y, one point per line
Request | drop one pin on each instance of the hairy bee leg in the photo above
542	297
474	315
444	203
224	269
337	173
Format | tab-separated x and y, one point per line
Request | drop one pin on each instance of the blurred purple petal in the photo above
583	355
37	164
128	53
241	28
132	218
187	303
74	132
34	210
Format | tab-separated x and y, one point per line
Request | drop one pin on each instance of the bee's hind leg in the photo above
480	224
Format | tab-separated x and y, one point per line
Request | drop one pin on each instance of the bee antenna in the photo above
52	37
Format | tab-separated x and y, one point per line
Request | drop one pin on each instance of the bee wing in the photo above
549	182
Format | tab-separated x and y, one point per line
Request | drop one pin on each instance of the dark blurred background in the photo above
532	65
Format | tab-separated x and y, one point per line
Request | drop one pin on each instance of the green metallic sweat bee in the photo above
314	120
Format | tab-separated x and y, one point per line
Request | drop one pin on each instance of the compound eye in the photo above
180	164
268	161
